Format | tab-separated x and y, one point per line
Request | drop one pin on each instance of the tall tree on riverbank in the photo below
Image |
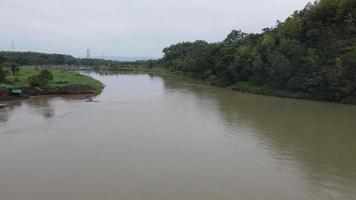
2	70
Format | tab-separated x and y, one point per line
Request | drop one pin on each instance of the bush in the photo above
45	74
251	88
42	79
3	73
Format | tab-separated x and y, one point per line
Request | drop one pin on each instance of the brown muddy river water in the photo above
172	138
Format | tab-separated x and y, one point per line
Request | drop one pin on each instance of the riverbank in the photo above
240	86
63	83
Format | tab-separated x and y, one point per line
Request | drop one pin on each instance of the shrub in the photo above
42	79
251	88
3	73
46	74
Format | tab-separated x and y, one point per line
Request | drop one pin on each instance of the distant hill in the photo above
35	58
126	58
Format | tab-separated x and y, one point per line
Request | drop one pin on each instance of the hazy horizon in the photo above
130	28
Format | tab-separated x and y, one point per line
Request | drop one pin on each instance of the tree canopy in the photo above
2	70
313	52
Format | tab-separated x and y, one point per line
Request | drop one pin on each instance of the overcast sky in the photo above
130	27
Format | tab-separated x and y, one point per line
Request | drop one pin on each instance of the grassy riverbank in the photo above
61	79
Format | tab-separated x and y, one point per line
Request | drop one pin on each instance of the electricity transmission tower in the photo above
12	46
88	53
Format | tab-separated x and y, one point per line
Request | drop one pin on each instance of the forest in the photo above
312	54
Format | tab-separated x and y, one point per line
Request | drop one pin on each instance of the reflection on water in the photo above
319	136
20	115
151	137
42	106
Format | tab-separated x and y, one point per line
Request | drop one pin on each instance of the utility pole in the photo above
12	46
88	53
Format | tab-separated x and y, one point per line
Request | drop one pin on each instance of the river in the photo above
172	138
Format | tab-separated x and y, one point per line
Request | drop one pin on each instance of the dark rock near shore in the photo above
66	90
75	89
34	91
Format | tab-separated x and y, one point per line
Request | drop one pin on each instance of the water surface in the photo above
172	138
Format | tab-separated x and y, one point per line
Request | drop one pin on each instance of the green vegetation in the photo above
2	75
248	87
40	59
3	71
312	54
60	79
41	79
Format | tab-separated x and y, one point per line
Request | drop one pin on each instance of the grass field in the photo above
61	78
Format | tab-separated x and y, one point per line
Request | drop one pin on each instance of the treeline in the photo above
10	59
34	58
312	54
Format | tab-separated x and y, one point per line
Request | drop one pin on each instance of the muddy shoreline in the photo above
66	90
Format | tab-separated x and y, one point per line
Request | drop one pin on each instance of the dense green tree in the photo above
42	79
313	52
3	72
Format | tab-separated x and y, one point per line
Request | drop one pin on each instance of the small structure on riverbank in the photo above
6	89
8	92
